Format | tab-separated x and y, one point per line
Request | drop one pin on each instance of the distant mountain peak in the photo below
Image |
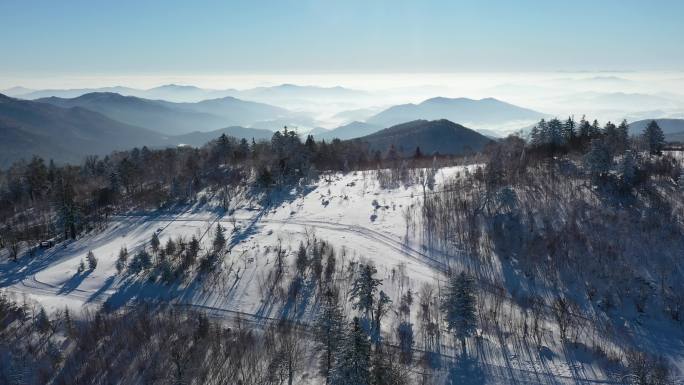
487	111
432	136
173	86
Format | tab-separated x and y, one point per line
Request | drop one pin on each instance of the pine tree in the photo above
42	321
655	138
68	323
170	248
193	249
154	242
584	130
219	239
329	331
610	134
81	267
544	134
622	137
141	261
364	288
92	261
121	261
556	135
459	307
569	131
353	365
302	260
594	130
598	160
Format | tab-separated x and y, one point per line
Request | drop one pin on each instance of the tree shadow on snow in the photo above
74	282
466	371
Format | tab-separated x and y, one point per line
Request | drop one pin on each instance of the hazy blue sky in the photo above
122	36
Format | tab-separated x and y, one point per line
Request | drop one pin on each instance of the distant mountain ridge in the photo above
436	136
173	118
68	134
188	93
672	128
30	128
488	111
348	131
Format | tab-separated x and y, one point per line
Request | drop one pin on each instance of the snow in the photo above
340	209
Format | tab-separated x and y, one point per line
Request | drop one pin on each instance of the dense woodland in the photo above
575	204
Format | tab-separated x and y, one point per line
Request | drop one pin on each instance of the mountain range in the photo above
67	134
173	118
62	134
67	129
188	93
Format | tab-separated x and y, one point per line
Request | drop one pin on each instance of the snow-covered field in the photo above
352	212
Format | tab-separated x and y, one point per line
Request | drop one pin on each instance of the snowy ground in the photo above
339	209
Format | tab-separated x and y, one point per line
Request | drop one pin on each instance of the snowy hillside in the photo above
352	212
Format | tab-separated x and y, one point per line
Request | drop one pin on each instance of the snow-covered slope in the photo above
361	219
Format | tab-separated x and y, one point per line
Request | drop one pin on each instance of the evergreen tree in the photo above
193	248
364	288
353	365
302	260
622	137
170	248
655	138
42	321
223	148
598	160
569	131
141	261
594	130
154	243
219	238
121	261
81	267
459	309
610	135
556	135
329	331
535	137
584	130
92	261
544	137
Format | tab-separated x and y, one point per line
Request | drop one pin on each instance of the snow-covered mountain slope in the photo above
339	209
361	217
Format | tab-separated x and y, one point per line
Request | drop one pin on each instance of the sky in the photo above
203	38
